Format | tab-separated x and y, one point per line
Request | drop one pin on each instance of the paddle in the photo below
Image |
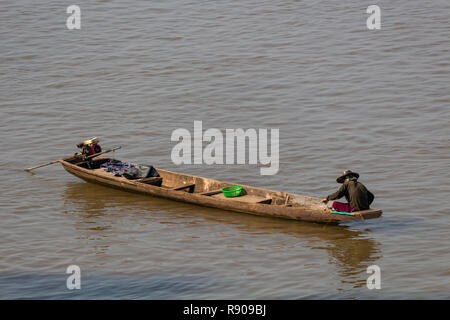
56	161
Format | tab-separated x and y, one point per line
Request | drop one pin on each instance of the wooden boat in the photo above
207	192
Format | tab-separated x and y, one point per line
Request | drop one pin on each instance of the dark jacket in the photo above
356	194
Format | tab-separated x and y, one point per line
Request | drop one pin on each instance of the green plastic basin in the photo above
232	191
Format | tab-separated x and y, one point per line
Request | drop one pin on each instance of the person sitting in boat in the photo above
357	195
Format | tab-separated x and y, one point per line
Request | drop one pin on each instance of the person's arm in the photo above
338	194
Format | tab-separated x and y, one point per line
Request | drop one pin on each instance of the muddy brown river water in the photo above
342	96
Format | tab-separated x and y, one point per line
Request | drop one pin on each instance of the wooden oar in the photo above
43	165
56	161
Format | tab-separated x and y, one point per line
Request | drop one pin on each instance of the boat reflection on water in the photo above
98	209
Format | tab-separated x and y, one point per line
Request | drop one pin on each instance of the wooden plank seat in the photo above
190	188
156	181
244	198
265	201
211	192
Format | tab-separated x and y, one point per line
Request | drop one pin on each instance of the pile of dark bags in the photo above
129	170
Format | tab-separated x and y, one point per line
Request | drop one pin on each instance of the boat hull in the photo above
284	205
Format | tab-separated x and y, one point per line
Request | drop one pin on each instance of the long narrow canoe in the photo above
207	192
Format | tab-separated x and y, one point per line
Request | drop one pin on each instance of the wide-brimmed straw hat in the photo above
346	174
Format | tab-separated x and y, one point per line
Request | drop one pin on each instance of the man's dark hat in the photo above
346	174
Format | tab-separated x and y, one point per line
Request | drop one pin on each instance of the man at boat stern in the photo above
357	196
